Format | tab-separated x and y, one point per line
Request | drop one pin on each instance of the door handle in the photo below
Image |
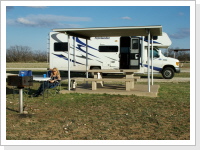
137	56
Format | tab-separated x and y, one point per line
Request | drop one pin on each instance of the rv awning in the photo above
86	33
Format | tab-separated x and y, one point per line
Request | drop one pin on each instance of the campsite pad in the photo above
139	90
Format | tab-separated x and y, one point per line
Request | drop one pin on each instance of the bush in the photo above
24	54
181	55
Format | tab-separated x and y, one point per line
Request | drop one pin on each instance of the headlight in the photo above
177	63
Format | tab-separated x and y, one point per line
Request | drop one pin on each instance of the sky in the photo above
30	25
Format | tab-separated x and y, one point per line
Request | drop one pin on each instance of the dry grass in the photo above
103	117
27	65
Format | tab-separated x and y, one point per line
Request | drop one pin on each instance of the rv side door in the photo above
135	53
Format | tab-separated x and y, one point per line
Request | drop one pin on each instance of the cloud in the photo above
126	18
46	21
181	33
181	14
26	21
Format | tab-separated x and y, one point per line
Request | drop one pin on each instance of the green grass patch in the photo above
27	65
102	116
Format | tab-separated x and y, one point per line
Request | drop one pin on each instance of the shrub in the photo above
24	54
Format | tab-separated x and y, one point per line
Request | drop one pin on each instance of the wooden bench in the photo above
129	82
136	77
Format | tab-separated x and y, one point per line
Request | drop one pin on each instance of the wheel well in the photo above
91	67
168	66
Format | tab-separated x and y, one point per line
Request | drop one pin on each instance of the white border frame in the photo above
98	142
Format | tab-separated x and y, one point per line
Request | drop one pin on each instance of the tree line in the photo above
25	54
181	55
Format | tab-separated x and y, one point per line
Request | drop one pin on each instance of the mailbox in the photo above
20	81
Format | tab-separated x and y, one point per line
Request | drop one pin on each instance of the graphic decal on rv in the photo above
81	44
79	48
154	68
83	57
111	58
153	42
99	61
84	44
64	57
54	36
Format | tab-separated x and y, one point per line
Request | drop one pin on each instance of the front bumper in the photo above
177	70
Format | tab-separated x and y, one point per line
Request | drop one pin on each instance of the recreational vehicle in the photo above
129	52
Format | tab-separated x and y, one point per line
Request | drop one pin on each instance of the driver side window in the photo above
155	53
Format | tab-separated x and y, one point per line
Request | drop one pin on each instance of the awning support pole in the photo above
74	49
151	60
142	45
69	63
149	89
86	58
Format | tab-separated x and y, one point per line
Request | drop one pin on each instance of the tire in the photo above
168	73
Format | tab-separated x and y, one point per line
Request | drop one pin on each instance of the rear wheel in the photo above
168	73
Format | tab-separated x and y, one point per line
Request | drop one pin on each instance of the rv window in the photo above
135	44
108	48
125	50
61	46
155	53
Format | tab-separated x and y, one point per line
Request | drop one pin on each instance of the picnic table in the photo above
98	78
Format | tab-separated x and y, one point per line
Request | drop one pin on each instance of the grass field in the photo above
27	65
102	117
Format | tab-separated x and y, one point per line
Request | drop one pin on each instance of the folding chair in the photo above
54	90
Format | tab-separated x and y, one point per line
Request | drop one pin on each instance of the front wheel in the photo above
168	73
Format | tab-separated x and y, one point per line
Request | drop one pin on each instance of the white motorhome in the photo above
111	53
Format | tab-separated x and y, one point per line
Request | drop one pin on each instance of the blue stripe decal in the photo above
153	41
81	44
63	57
154	68
79	48
84	44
